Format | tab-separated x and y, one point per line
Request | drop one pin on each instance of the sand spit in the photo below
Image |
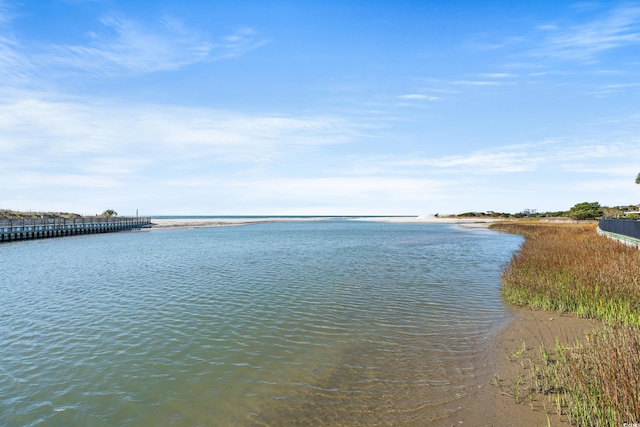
165	223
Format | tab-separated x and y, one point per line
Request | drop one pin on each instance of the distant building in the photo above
530	211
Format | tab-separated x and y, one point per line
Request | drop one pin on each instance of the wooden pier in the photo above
41	228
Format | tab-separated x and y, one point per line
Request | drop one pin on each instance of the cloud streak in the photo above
61	132
620	28
5	13
418	97
125	46
549	154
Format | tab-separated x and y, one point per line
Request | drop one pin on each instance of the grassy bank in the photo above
10	214
570	268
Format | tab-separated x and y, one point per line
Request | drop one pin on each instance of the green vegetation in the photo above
595	381
614	212
581	211
570	268
9	214
638	179
592	382
586	210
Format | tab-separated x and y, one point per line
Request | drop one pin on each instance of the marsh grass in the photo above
594	381
572	269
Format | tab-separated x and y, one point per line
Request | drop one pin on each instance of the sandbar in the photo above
195	222
165	223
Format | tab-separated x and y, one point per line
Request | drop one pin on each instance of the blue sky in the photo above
318	107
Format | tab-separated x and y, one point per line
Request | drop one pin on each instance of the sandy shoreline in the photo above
488	405
168	223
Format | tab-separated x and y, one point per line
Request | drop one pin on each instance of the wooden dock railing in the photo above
39	228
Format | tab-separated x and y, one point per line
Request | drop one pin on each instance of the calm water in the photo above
317	323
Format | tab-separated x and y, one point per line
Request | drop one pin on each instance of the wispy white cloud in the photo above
120	47
481	162
497	75
418	97
106	139
6	13
552	154
484	162
480	83
619	28
441	89
127	46
615	88
15	66
15	69
480	80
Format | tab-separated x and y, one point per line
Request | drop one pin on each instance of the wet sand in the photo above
491	406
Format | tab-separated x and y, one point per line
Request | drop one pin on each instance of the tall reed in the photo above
571	268
596	381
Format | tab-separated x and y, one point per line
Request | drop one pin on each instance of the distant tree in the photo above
613	212
586	210
109	212
638	179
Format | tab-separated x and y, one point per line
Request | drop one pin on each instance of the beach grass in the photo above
573	269
11	214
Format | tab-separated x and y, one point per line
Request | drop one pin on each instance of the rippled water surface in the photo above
316	323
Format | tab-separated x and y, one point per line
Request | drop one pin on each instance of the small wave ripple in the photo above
333	323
